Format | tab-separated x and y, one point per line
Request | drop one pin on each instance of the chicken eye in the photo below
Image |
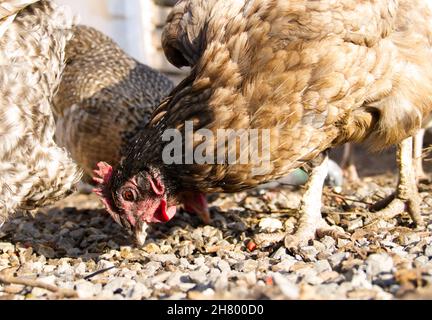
129	195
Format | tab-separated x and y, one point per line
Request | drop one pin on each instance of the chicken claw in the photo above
311	223
301	238
406	197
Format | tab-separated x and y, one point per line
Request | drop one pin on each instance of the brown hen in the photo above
316	74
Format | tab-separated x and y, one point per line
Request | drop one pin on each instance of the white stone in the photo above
86	289
379	263
288	288
270	225
6	246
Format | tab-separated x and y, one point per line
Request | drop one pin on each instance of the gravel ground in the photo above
74	250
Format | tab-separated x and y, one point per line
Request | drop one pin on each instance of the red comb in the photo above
103	173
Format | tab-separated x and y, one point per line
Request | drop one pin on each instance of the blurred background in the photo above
136	25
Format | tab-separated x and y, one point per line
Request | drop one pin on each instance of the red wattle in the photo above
167	213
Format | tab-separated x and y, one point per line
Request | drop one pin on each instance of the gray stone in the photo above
322	266
329	242
151	267
379	263
165	258
86	289
284	265
309	252
77	234
6	246
199	260
428	251
360	280
289	289
421	261
270	225
409	238
280	253
198	276
248	265
221	284
214	275
175	278
80	268
224	266
327	291
140	291
336	259
115	284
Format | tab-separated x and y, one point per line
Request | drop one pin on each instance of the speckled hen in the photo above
34	171
105	99
317	74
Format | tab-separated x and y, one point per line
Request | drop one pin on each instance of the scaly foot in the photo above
393	206
406	198
310	230
311	223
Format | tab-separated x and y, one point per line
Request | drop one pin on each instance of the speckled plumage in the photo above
104	98
34	171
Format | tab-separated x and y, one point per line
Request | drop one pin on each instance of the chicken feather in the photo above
104	98
316	74
34	171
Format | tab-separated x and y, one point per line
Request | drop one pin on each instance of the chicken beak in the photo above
141	233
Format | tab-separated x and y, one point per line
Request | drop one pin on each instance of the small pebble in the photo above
198	276
5	247
248	265
428	251
322	266
379	263
288	288
309	252
185	260
86	289
336	259
270	225
280	253
224	266
409	238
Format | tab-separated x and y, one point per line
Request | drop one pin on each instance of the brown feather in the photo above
316	73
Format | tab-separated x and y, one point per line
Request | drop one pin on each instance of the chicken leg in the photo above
311	222
348	165
418	156
406	197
